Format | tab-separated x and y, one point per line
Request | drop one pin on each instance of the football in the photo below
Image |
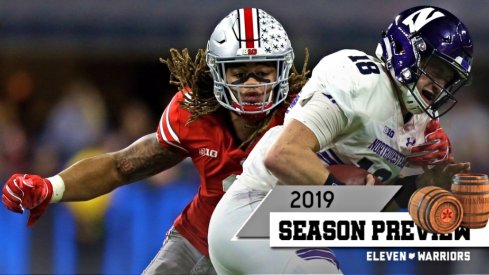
351	174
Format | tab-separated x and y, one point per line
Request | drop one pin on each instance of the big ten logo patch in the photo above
250	51
389	132
208	152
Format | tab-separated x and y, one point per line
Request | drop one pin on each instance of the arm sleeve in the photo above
170	131
322	116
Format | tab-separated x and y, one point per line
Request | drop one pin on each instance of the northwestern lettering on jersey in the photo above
386	152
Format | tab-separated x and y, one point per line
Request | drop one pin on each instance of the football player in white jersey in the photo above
379	113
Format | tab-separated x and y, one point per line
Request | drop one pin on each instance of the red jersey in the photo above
210	143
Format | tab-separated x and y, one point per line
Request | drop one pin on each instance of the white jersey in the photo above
352	90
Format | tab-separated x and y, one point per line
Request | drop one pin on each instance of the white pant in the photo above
256	256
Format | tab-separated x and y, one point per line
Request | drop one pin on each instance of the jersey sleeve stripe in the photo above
172	133
327	159
166	128
330	98
165	138
334	156
169	127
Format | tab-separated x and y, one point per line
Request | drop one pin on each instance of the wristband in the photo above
331	180
58	188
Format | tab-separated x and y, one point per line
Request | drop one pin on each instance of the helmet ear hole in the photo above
398	48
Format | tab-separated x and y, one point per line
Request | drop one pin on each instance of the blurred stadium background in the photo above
82	77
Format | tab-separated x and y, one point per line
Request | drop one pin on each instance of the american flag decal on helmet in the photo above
249	29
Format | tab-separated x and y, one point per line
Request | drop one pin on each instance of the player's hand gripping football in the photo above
31	192
435	150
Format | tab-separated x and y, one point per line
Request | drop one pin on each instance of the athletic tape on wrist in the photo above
58	188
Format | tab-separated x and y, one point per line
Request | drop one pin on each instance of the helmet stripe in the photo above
248	22
256	25
242	29
249	27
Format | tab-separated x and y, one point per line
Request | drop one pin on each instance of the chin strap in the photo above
254	117
408	99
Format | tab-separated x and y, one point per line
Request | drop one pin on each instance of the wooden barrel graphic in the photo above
472	190
435	210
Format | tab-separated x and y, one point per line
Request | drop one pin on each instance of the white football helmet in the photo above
249	35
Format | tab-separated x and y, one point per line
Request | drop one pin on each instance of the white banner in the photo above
363	229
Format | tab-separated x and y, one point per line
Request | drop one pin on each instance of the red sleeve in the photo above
171	129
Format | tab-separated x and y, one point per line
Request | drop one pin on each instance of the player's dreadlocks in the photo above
193	74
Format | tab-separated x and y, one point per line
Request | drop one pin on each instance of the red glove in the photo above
435	150
27	191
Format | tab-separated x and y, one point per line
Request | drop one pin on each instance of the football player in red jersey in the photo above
230	95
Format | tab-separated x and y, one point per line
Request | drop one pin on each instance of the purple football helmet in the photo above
417	37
